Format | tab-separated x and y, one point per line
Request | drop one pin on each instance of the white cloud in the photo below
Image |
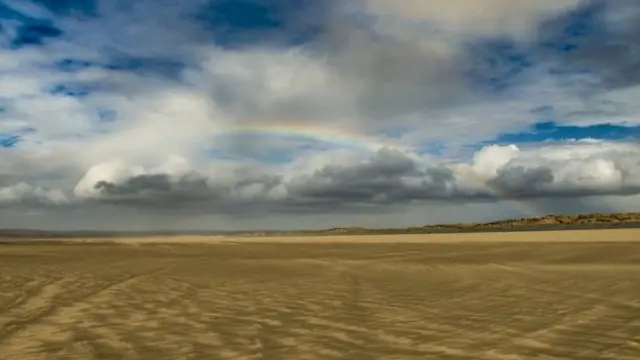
113	171
582	168
490	159
24	193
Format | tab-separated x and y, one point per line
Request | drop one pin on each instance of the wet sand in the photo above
547	295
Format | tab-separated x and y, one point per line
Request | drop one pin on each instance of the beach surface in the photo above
494	296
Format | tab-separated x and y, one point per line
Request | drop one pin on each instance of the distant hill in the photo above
596	218
548	222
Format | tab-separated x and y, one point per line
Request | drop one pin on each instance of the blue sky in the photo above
286	104
549	131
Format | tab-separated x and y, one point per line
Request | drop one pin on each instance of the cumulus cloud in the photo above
387	177
581	169
174	183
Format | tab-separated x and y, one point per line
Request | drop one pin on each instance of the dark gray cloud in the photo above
155	189
191	192
519	181
387	177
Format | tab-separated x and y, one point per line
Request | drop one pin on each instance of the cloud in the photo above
387	177
375	182
25	194
580	169
165	185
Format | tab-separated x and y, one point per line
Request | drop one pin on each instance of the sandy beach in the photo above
504	296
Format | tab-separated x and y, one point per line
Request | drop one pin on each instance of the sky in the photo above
282	114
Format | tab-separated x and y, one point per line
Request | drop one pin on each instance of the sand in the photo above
544	295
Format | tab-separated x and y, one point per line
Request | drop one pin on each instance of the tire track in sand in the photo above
48	303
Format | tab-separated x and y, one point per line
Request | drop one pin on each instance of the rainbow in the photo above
342	137
347	138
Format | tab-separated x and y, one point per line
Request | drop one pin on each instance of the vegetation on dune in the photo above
548	222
